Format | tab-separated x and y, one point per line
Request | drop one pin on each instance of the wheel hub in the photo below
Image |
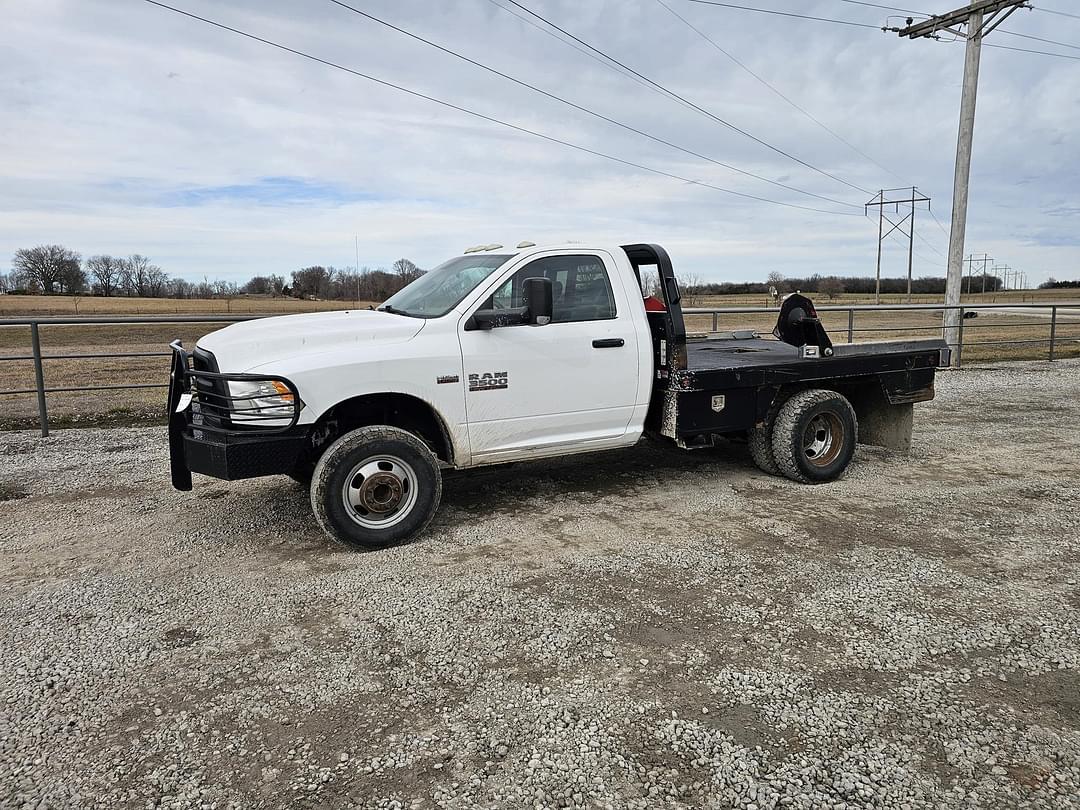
381	492
823	439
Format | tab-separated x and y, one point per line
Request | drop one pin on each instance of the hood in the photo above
245	345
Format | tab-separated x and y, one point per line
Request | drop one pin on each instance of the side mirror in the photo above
491	318
538	300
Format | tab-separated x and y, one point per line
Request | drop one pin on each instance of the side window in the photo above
581	290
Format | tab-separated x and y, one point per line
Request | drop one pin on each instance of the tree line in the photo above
55	269
832	286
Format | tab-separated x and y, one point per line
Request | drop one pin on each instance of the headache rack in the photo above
211	430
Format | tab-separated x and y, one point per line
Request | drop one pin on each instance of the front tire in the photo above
375	487
814	436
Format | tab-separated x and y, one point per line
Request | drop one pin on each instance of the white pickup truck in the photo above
505	355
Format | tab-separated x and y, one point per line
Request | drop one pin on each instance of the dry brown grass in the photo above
96	406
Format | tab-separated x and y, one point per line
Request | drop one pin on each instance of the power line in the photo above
887	8
482	116
926	242
938	221
803	111
675	95
575	46
1029	50
1040	39
892	8
817	121
581	108
1060	13
787	14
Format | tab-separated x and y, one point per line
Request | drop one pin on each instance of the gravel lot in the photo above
640	629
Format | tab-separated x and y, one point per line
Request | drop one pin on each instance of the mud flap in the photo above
880	422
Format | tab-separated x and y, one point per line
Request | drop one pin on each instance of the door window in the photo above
581	290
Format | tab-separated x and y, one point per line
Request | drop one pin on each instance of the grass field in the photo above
982	337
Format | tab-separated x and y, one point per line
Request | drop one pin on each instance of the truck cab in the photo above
506	355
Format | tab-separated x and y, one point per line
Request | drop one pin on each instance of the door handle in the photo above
608	343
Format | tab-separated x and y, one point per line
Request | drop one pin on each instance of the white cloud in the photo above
122	119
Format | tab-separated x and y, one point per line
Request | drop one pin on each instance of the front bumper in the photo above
202	437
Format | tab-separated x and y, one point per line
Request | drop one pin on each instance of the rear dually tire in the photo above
814	436
759	440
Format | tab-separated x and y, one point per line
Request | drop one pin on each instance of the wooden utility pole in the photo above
972	22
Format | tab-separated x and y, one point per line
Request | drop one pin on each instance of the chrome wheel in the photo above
379	491
823	439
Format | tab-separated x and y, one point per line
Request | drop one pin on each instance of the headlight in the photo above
263	397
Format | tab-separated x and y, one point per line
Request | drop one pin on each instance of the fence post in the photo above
39	374
960	340
850	324
715	324
1053	331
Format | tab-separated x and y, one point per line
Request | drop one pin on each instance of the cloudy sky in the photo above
128	128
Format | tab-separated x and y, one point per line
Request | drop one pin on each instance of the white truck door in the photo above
569	384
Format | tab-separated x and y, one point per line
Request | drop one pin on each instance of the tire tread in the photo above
785	448
760	441
325	468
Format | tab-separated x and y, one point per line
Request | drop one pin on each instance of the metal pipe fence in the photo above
1052	317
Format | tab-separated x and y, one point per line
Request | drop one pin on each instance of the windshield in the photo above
440	290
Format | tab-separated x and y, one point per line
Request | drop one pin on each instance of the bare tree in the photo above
407	271
776	280
650	283
224	289
311	282
831	286
156	279
105	271
42	268
257	285
179	288
135	275
72	277
690	285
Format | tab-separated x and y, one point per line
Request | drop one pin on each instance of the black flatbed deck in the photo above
722	353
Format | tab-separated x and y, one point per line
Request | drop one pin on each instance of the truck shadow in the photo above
614	472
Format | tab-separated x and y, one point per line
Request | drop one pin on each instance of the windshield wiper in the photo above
395	311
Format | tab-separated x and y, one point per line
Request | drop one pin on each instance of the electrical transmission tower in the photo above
889	196
1004	270
972	22
972	260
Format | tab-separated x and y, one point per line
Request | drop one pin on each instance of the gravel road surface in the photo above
641	629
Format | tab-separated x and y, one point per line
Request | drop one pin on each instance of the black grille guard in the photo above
210	409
